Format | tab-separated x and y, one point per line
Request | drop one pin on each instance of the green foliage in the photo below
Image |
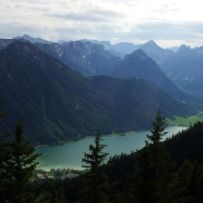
157	132
119	170
95	182
182	182
18	162
188	183
96	157
23	163
187	144
153	167
184	121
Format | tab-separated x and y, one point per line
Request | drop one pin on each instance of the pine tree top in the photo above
157	131
96	156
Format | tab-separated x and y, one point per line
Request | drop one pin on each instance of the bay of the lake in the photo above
69	155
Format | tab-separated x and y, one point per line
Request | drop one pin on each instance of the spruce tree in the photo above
153	167
95	182
182	180
21	165
187	187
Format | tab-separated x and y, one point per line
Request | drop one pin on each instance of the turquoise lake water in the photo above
69	155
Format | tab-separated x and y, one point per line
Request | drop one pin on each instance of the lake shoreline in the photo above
124	133
69	154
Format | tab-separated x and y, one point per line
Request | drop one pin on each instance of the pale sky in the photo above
168	22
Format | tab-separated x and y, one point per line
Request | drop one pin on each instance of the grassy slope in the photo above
184	121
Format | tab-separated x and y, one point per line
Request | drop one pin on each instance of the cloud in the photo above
166	8
13	30
170	31
92	15
114	20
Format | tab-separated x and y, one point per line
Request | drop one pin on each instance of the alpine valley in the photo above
69	90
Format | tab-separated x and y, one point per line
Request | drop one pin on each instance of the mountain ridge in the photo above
57	103
140	65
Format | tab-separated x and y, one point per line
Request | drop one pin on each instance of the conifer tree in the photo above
21	165
24	163
56	196
153	167
182	180
95	182
157	132
187	187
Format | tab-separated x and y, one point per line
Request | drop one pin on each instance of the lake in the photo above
69	155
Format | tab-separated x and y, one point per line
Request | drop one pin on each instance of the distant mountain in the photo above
54	102
83	56
136	101
185	69
57	103
140	65
183	66
106	44
91	59
5	42
33	39
174	49
94	57
123	48
62	41
119	49
157	53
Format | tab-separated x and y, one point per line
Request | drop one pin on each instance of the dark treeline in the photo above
187	144
17	163
161	172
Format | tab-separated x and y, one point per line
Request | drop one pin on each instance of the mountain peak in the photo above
20	47
26	51
31	39
151	46
26	36
137	55
139	51
184	48
151	43
156	52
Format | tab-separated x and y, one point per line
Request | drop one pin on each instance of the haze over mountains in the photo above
92	59
185	68
83	56
73	89
140	65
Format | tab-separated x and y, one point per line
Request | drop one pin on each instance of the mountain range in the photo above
91	59
53	101
57	103
140	65
157	53
83	56
185	68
